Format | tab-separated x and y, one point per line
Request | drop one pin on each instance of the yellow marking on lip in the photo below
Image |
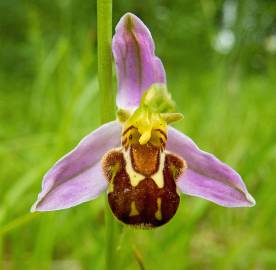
158	213
133	210
110	187
158	177
114	170
135	178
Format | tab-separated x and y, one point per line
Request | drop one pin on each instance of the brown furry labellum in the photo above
142	189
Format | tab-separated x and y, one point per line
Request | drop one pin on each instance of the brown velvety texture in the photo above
153	206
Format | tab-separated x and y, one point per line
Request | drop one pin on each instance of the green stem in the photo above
104	15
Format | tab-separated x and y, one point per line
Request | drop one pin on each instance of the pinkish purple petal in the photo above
206	176
136	64
78	177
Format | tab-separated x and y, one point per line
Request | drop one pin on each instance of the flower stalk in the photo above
104	22
104	19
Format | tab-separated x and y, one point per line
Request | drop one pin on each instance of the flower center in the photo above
145	127
131	136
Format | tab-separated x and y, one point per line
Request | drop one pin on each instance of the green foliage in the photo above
49	100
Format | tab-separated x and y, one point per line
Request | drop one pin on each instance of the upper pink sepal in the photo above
136	64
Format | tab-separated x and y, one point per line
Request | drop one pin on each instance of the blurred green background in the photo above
220	58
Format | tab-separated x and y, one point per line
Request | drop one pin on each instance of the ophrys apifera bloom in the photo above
139	160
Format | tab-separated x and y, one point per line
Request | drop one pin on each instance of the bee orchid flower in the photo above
140	161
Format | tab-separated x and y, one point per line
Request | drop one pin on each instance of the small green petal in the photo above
123	115
171	117
158	99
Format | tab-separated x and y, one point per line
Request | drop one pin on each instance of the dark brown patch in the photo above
145	194
114	159
175	165
145	158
